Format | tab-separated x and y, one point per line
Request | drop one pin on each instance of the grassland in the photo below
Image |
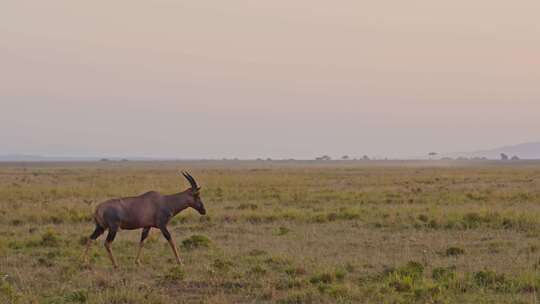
279	232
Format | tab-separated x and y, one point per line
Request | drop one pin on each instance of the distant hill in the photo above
529	150
39	158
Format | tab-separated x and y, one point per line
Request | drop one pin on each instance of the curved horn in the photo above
195	186
191	180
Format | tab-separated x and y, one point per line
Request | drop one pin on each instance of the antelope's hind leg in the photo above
97	232
110	238
144	235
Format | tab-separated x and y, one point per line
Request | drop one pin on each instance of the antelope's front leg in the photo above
169	239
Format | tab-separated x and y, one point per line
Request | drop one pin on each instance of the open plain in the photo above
279	232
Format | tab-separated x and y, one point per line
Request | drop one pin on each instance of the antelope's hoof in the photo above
138	263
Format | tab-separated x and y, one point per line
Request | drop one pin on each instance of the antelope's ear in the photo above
199	189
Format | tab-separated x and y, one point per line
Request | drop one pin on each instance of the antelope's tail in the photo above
98	217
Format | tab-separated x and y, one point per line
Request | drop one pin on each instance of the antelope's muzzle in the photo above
202	211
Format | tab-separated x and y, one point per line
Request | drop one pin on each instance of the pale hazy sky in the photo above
281	78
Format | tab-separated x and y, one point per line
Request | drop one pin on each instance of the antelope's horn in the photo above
190	179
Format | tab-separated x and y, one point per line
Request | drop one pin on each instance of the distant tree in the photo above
104	159
504	156
324	157
345	157
269	159
365	157
515	157
432	154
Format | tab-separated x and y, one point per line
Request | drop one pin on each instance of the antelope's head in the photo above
194	201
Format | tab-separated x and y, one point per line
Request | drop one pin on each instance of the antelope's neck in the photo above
176	202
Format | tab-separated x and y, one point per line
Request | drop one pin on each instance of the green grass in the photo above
279	232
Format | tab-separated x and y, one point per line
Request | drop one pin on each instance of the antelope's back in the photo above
129	212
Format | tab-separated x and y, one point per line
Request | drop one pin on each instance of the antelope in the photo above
146	211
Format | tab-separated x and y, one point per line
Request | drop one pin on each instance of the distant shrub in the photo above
181	219
45	262
260	218
332	216
404	278
489	278
297	297
69	215
325	278
319	218
423	218
508	223
78	296
7	291
340	275
433	224
495	247
289	283
475	197
471	220
247	206
412	268
378	225
257	252
427	293
205	219
443	274
176	273
454	251
16	222
56	219
196	241
222	265
282	231
520	223
401	284
50	238
338	291
257	270
295	271
277	262
350	267
348	215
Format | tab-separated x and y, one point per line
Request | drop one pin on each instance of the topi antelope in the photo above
149	210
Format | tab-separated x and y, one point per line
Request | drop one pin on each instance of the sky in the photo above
280	79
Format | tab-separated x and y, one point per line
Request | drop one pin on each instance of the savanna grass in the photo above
279	232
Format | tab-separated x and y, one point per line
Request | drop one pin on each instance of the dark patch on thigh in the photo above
111	217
